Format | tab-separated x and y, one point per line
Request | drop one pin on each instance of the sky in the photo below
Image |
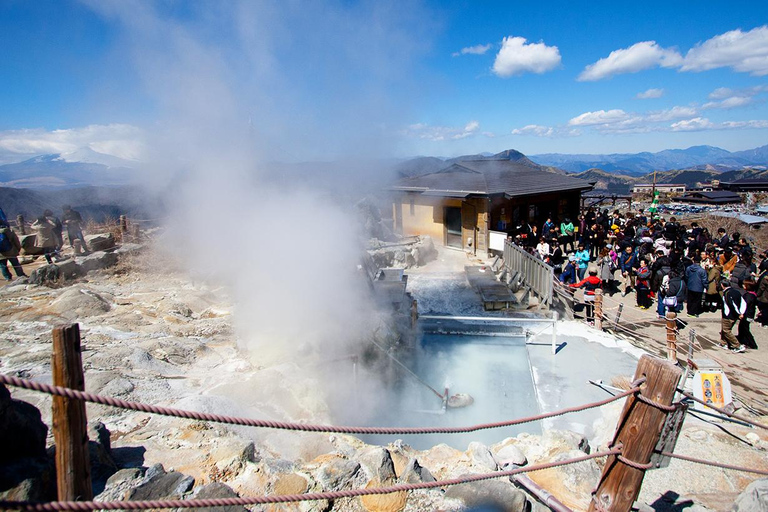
304	81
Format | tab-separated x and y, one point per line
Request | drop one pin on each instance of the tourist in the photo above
548	228
671	294
762	294
627	266
57	228
606	268
568	276
556	258
590	284
734	308
74	221
542	249
697	281
712	298
582	259
46	238
9	252
744	334
566	234
643	286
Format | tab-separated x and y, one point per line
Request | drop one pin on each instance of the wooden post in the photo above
73	464
77	245
638	432
599	308
672	337
414	313
618	313
123	224
20	224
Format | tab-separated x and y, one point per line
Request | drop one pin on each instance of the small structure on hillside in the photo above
661	188
713	197
459	205
746	185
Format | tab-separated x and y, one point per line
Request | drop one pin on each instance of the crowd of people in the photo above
49	230
679	267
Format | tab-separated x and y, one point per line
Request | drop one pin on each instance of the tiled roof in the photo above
491	177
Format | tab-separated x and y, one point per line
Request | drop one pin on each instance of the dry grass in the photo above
757	237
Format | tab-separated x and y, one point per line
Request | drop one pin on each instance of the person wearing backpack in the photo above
10	246
672	294
734	308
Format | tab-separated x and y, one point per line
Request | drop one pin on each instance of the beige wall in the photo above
423	215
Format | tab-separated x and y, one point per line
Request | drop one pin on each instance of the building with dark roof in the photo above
458	206
745	185
713	197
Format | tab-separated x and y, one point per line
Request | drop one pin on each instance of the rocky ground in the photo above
154	333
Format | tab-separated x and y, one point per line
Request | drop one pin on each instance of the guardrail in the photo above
534	273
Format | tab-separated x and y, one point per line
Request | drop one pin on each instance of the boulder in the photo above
45	275
337	474
160	485
499	494
565	440
20	422
292	483
754	498
31	479
213	491
414	473
69	269
510	455
481	456
29	244
424	251
79	302
97	260
100	241
378	464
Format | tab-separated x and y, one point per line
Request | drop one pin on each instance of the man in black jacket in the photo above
734	308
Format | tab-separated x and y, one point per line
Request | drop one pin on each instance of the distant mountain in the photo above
643	163
82	168
429	164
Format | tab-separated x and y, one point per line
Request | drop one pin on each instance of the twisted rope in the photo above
714	464
57	506
722	411
305	427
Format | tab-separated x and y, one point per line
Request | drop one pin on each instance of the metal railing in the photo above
534	273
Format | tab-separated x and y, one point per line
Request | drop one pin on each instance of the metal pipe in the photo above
554	332
483	318
542	494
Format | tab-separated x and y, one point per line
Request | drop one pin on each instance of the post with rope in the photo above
20	224
618	313
671	337
123	226
599	308
73	465
638	432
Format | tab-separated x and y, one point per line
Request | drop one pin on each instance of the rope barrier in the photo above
712	463
722	411
57	506
304	427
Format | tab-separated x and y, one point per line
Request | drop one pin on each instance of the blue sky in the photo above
324	80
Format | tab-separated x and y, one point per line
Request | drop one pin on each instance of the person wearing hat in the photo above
734	308
568	275
590	284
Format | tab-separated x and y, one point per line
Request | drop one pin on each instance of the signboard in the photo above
497	239
712	386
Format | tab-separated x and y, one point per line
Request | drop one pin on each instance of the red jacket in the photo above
590	284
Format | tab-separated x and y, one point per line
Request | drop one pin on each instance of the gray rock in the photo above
99	433
28	480
754	498
97	260
213	491
70	269
510	455
100	241
124	475
127	248
482	456
21	423
415	473
117	387
566	440
500	494
158	484
378	464
46	275
337	474
78	302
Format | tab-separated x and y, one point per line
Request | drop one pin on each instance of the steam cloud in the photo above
240	85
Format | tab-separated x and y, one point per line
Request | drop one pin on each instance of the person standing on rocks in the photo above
734	308
57	228
10	246
46	237
74	221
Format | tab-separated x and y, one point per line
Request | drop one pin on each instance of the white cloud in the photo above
745	124
691	125
671	113
639	56
721	93
650	94
599	117
729	103
517	57
478	49
441	133
120	140
746	52
535	129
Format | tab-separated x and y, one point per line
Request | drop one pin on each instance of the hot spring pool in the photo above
493	369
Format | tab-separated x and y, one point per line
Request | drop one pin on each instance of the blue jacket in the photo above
582	257
696	278
568	275
627	262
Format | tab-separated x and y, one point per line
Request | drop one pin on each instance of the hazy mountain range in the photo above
84	167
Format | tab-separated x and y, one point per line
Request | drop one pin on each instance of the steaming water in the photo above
494	370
